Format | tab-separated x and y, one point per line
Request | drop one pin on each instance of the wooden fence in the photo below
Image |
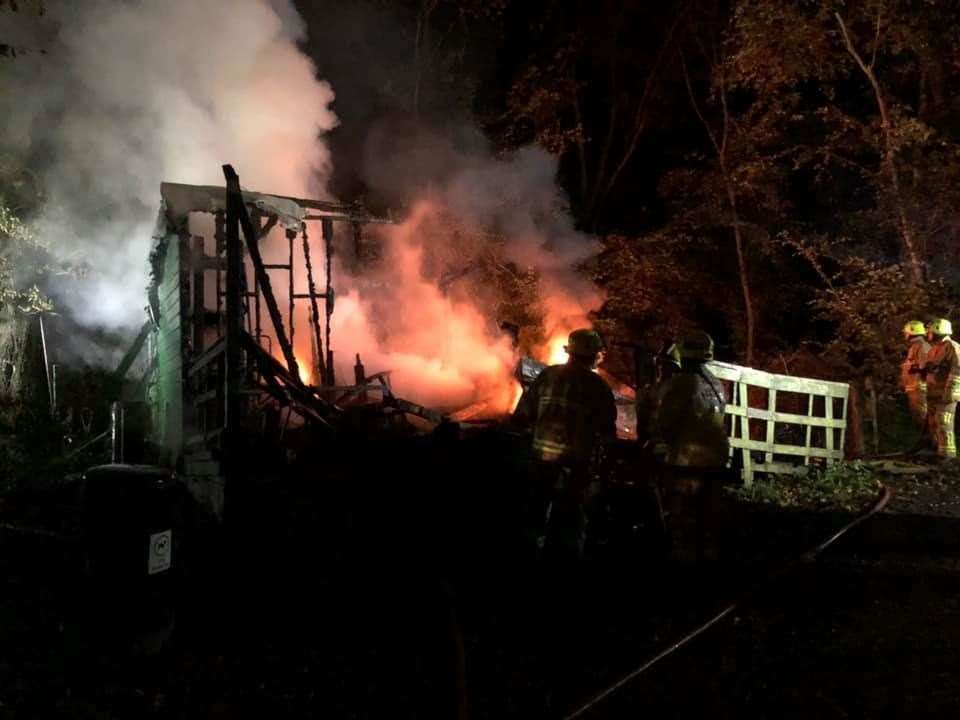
779	423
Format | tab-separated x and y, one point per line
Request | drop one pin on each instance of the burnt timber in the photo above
214	387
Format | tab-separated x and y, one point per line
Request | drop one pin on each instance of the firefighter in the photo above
912	375
693	443
571	409
666	362
942	375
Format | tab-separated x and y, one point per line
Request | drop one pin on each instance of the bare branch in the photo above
581	149
696	106
876	38
889	159
639	123
726	115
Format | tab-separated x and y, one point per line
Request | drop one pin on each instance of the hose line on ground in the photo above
879	504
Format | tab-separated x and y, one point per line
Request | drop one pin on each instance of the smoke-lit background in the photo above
130	94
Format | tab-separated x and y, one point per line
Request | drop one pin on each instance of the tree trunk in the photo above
741	263
720	147
907	235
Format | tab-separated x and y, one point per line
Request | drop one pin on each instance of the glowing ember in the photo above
303	369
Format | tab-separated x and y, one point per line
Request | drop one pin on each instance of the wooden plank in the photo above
133	351
781	468
744	399
797	450
786	383
263	279
806	460
785	418
169	294
197	308
771	423
829	409
843	429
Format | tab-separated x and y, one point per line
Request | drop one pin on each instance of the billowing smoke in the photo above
129	94
133	93
426	313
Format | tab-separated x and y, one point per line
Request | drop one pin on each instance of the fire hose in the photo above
879	504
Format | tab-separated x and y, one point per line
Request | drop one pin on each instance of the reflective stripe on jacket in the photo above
911	369
569	408
690	420
943	372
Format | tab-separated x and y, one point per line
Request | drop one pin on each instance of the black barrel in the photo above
129	543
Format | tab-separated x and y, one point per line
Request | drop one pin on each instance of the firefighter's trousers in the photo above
691	499
559	511
940	418
917	401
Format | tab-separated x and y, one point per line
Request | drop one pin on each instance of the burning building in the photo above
247	333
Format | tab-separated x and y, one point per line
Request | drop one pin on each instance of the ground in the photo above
318	616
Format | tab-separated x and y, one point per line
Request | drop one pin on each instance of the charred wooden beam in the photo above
198	198
198	317
220	242
329	297
268	226
314	308
236	204
305	399
234	290
132	352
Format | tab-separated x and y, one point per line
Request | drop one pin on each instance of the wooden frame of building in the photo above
211	335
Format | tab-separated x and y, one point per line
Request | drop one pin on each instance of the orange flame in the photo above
556	350
304	369
441	344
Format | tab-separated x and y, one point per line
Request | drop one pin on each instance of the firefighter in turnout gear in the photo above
666	362
570	409
943	386
912	379
692	438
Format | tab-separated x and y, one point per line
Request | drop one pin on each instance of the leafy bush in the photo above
846	485
23	264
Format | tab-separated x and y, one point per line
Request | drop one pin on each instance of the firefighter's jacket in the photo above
943	372
689	420
570	408
912	367
648	402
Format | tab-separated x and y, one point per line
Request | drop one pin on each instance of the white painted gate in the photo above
799	419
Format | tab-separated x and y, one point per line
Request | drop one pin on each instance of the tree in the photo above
23	266
721	141
878	150
592	89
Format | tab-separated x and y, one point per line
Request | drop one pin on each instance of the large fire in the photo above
441	344
556	350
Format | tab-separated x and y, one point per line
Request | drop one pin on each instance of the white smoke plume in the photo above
442	341
132	93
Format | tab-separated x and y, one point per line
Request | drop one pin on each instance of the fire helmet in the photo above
914	327
940	326
584	343
669	355
697	345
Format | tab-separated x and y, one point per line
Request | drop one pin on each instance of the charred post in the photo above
235	197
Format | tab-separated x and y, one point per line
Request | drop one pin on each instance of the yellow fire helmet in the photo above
669	355
940	326
914	327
